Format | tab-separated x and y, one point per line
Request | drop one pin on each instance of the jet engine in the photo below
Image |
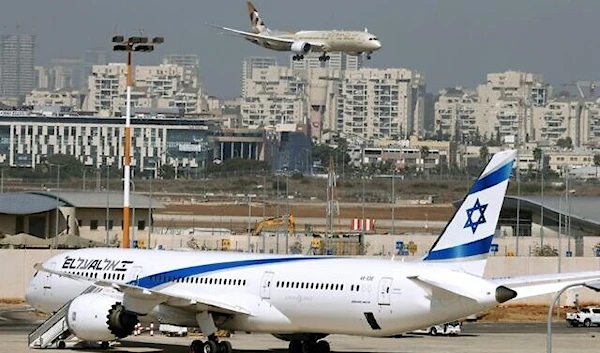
99	317
300	47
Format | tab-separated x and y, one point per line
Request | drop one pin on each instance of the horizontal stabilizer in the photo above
531	286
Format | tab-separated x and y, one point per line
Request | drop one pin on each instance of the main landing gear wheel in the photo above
323	347
224	347
297	57
210	346
324	57
295	346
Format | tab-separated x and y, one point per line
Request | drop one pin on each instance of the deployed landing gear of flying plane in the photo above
297	57
309	346
324	57
369	55
212	345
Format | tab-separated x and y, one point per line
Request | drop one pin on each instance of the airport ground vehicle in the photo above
172	330
448	329
584	317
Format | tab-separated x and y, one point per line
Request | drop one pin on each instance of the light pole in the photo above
250	196
57	200
107	225
130	45
593	285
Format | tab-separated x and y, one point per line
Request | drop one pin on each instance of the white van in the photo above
448	329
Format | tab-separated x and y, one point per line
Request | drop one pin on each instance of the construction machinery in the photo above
287	219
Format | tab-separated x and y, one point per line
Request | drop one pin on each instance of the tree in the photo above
597	162
166	171
538	155
565	143
484	154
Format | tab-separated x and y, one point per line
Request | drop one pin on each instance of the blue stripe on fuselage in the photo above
492	179
158	279
478	247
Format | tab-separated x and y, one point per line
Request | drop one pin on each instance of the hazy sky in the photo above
453	42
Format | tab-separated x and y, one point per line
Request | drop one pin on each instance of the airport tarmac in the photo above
17	321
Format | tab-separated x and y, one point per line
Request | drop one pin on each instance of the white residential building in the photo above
456	115
63	98
337	61
506	101
249	65
162	86
380	103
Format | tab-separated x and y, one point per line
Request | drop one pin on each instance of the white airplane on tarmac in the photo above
304	42
100	294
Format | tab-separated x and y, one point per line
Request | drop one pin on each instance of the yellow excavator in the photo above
275	221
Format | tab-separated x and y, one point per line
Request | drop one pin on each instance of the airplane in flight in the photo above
301	43
100	294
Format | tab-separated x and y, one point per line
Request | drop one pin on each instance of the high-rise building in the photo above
17	53
456	115
66	73
338	61
254	63
92	57
191	67
380	103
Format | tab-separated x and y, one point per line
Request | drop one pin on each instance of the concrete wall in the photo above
16	268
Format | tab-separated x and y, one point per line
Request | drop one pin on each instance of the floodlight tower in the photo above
130	45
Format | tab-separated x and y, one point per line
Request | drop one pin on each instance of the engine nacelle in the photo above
99	317
301	47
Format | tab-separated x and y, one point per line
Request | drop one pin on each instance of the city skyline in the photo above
450	43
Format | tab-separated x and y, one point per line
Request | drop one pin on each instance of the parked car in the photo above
172	330
448	329
584	317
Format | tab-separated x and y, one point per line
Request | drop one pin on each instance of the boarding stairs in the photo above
55	326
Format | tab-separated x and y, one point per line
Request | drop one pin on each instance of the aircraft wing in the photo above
254	37
174	298
530	286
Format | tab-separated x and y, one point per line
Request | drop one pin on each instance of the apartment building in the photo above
380	103
162	86
273	95
506	105
337	61
191	68
249	65
55	97
455	115
562	161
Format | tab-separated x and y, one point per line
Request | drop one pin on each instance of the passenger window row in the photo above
201	280
106	276
309	285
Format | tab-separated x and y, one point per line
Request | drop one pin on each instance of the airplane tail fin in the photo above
258	25
465	242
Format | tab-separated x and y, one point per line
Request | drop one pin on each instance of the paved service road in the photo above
17	322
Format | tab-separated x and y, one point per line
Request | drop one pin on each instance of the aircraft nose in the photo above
32	292
377	44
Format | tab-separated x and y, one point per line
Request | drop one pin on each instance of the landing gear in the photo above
309	346
61	345
297	57
211	346
324	57
369	56
206	324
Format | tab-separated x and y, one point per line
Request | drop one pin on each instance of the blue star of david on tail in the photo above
481	220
